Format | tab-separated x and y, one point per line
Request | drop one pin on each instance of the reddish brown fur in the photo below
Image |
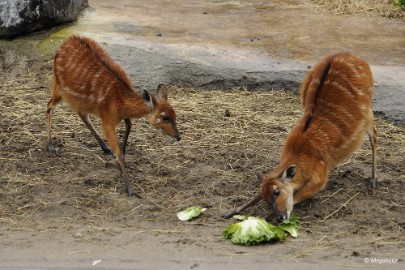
337	99
91	83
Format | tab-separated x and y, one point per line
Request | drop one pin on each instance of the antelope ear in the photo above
149	99
162	92
289	173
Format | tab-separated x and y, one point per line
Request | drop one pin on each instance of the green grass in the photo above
400	3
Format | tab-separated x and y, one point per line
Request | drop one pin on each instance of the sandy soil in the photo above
293	29
71	211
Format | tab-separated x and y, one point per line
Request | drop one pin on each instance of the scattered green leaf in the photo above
400	3
253	230
291	226
249	232
190	213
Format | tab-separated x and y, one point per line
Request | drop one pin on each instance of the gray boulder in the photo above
19	17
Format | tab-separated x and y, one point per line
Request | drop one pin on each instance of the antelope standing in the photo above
91	83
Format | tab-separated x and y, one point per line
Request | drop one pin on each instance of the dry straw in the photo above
385	8
228	136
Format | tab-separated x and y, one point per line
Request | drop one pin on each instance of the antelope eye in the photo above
165	118
276	192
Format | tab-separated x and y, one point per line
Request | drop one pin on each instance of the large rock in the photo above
19	17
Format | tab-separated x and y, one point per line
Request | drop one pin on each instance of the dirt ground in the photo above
79	193
71	210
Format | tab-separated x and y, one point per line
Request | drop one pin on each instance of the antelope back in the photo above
336	95
86	76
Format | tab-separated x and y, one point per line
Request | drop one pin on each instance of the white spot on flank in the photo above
363	107
361	93
92	86
98	74
100	98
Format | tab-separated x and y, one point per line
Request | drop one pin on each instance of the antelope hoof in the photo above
373	183
131	193
175	139
107	151
50	149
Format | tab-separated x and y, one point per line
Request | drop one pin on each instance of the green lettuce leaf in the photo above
279	232
249	232
291	226
190	213
253	230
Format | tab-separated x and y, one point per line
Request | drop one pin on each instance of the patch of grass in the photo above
400	3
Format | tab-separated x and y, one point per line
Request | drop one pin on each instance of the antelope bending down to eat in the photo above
91	83
336	95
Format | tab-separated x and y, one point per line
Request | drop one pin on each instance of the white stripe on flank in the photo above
91	98
342	88
102	93
72	93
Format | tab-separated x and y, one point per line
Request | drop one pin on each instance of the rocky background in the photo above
19	17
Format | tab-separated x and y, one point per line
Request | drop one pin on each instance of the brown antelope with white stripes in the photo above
92	83
337	99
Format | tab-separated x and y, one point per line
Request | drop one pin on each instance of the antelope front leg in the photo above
128	126
311	187
111	135
372	136
55	99
100	141
241	208
49	114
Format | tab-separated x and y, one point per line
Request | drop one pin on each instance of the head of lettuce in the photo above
253	230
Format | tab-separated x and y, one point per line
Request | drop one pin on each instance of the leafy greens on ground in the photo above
253	230
190	213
